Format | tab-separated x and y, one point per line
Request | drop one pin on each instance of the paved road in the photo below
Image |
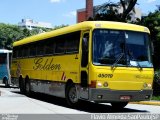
11	101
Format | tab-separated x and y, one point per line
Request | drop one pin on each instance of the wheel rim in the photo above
73	95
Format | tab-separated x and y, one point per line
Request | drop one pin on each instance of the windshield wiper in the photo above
138	65
117	60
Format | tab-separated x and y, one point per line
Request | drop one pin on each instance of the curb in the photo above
157	103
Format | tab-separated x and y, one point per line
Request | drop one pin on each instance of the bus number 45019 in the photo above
105	75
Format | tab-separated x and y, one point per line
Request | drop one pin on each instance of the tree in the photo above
60	26
110	11
152	21
11	33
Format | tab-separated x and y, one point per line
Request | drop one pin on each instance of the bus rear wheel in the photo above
71	95
27	88
119	105
22	85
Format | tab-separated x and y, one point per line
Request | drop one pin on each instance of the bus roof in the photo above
5	51
87	25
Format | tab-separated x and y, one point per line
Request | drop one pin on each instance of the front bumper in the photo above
106	95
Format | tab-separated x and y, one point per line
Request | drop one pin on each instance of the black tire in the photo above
22	85
71	95
27	88
119	105
5	81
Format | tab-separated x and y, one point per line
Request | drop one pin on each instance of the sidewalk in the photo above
4	92
151	102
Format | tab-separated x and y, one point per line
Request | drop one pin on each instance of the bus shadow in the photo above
84	106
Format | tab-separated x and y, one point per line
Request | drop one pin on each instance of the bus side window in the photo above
59	46
85	41
32	51
14	53
40	49
20	52
26	52
72	42
49	46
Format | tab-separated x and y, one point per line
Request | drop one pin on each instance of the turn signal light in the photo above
93	84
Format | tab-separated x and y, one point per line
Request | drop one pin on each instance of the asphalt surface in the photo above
11	101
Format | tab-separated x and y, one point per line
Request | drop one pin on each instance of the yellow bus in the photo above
98	61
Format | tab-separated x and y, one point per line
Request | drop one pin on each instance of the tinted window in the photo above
68	43
40	48
32	51
60	48
14	53
20	52
25	51
72	42
3	57
49	47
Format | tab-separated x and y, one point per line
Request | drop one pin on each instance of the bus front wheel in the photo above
71	95
119	105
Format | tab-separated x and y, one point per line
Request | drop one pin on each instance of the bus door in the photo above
84	65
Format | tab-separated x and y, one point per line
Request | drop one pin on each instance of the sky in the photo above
56	12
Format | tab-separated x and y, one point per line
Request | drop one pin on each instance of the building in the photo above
30	24
90	11
85	13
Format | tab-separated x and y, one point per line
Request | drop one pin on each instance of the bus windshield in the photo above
126	48
3	57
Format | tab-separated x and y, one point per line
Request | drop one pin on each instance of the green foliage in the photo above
58	27
156	98
156	83
10	33
109	11
152	21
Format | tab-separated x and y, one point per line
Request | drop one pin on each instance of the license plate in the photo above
125	97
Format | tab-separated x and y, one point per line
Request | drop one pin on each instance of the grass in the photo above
156	98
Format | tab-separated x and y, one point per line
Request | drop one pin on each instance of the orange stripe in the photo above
62	76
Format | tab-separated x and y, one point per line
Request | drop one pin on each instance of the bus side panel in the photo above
48	74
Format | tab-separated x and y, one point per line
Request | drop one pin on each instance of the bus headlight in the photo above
149	85
99	84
